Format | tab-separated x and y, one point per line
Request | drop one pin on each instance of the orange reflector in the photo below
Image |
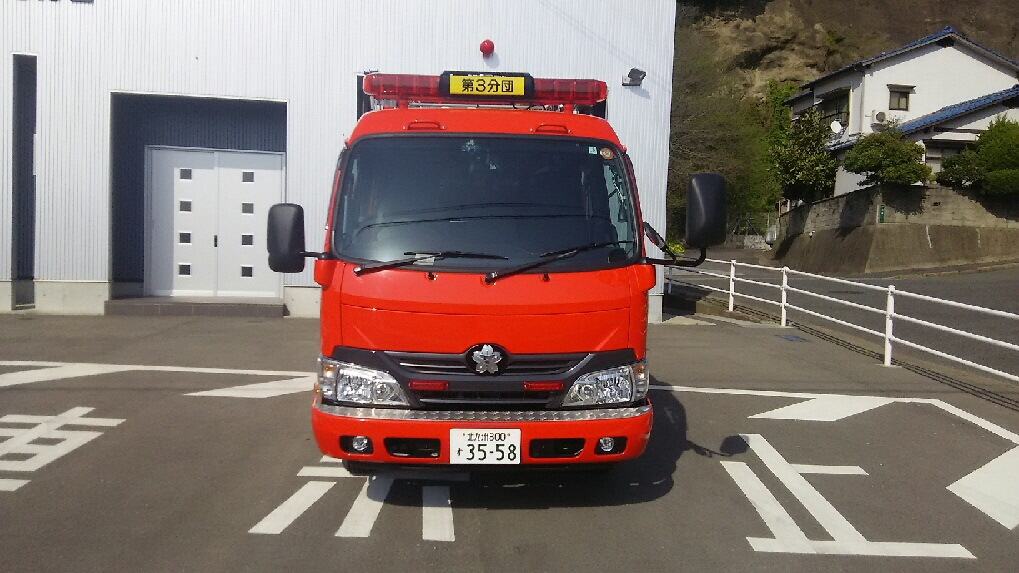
542	386
429	385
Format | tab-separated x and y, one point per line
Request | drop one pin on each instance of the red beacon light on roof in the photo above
457	87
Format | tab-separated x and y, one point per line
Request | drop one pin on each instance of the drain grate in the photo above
792	338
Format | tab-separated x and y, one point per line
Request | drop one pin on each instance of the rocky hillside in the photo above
798	40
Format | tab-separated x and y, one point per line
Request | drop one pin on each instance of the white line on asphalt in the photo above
325	472
830	519
263	389
362	515
437	514
827	409
989	426
788	536
291	509
992	489
48	427
11	484
149	368
57	373
829	470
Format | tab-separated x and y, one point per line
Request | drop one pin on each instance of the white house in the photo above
260	94
943	90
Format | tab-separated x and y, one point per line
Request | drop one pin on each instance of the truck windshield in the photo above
511	199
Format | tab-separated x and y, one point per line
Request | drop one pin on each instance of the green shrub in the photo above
990	166
886	157
1002	182
961	170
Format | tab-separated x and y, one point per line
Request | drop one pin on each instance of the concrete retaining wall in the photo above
886	229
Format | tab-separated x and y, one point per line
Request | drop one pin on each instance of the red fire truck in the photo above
484	280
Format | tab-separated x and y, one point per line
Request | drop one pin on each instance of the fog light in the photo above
361	443
605	444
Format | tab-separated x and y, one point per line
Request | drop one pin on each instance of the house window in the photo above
835	107
898	100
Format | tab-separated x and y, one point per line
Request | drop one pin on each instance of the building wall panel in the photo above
306	53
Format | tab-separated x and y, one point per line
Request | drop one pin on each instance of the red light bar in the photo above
429	385
402	87
436	89
579	92
543	386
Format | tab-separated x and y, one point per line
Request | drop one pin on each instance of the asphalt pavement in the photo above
184	444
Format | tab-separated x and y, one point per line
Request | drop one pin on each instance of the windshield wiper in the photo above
546	258
421	256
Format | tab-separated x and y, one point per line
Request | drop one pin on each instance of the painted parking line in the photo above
263	389
992	489
789	538
11	484
362	515
24	451
437	514
436	506
292	508
989	488
50	371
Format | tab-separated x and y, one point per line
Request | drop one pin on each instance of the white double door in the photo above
206	234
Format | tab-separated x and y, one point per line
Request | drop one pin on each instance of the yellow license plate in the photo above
486	85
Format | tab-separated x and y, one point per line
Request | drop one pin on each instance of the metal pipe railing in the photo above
888	311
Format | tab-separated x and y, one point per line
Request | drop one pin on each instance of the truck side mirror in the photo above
285	238
705	210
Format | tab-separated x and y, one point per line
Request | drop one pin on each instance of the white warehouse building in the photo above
110	104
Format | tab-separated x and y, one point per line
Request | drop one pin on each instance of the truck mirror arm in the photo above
326	256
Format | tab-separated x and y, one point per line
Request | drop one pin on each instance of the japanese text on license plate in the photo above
484	446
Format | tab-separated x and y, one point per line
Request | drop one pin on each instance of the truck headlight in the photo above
620	385
345	382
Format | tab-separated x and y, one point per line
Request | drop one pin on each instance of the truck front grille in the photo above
452	364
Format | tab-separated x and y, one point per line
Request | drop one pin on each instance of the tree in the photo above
992	165
886	157
716	128
803	165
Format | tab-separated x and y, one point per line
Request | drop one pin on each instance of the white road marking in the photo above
47	427
829	470
787	534
291	509
827	409
362	515
325	472
993	489
437	514
150	368
986	425
11	484
263	389
789	538
980	422
825	514
57	373
686	321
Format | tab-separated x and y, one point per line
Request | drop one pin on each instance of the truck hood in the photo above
406	310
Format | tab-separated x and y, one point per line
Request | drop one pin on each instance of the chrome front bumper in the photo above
484	416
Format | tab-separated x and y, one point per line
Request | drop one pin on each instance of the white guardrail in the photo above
889	311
